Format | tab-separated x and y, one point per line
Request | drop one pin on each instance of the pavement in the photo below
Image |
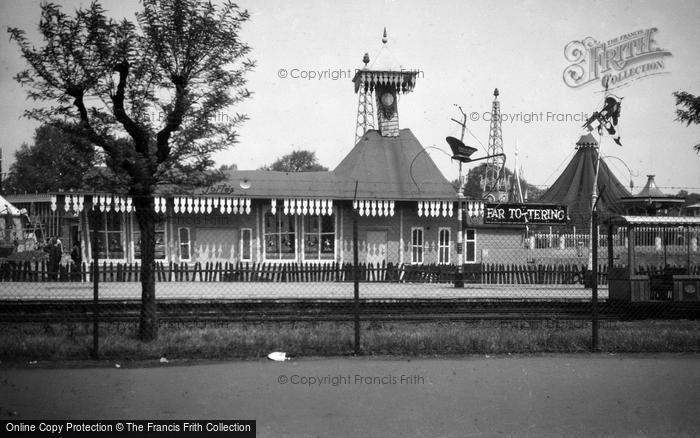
586	395
27	291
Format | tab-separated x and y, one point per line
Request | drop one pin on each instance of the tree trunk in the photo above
147	217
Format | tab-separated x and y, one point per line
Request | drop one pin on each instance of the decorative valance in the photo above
435	208
181	204
99	202
475	208
403	81
374	207
304	206
71	202
208	205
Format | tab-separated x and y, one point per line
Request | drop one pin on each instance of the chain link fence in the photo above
379	276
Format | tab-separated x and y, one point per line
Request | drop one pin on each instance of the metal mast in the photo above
493	182
365	108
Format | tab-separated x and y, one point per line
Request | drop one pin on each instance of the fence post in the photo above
95	288
356	281
594	280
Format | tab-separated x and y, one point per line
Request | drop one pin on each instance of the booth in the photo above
10	227
662	260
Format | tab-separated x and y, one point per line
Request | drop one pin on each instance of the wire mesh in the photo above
302	270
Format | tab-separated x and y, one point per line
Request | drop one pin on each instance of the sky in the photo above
462	50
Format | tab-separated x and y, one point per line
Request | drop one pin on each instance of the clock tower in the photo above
380	84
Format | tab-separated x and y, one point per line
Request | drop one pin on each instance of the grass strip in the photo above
68	341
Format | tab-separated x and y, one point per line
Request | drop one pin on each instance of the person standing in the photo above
55	251
76	256
54	258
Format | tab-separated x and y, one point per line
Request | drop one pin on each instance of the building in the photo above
404	207
651	201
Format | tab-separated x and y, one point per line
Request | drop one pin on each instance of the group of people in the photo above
54	248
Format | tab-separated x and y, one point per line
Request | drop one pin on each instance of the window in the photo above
319	237
110	235
280	237
470	246
246	244
160	241
184	239
417	245
444	246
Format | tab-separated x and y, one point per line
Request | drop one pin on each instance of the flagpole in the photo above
517	172
594	201
594	192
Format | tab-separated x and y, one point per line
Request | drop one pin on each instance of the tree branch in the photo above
77	93
131	127
174	119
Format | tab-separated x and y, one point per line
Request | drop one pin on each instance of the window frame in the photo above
134	232
180	244
94	253
447	248
320	235
295	233
415	247
467	242
250	245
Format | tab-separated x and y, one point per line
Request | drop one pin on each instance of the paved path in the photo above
557	396
218	290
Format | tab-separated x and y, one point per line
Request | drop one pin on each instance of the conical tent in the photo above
574	187
9	224
7	208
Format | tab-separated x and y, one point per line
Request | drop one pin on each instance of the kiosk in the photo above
659	260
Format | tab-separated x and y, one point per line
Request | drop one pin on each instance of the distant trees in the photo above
228	167
57	160
690	198
297	161
688	110
473	190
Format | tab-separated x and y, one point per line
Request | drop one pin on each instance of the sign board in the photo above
549	214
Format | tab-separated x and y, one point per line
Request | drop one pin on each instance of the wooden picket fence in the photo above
309	272
538	274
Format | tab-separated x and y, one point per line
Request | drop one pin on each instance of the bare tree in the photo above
149	94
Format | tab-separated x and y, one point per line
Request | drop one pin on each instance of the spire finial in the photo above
495	92
365	59
385	38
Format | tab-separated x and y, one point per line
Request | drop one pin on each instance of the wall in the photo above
214	237
398	232
501	245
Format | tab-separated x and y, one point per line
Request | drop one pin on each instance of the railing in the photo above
486	273
643	236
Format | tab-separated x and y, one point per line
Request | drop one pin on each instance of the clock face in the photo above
387	99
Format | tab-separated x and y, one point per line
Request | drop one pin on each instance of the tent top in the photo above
6	207
574	186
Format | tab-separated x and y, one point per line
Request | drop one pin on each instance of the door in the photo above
376	247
